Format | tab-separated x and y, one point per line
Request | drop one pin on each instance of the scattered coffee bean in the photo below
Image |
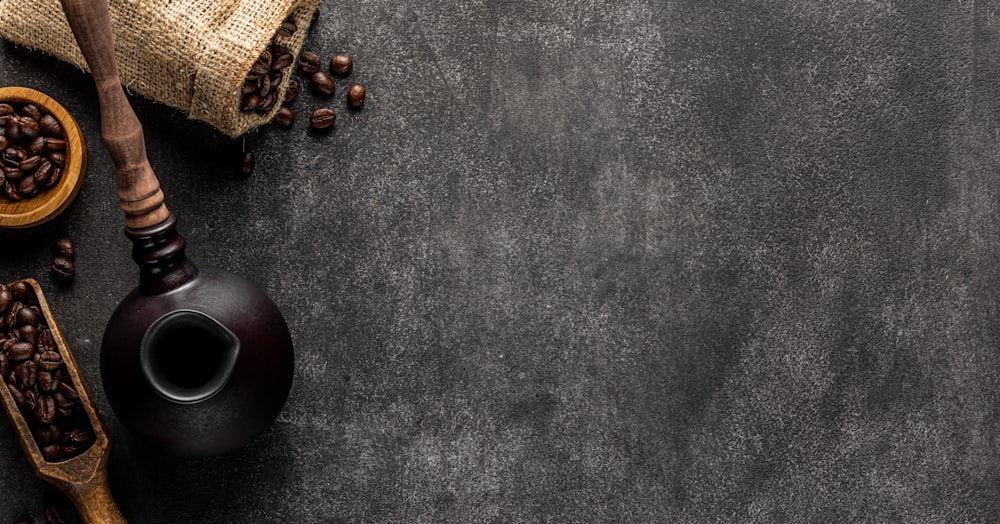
64	248
308	62
322	84
31	144
341	65
285	117
356	95
322	118
247	163
63	269
34	372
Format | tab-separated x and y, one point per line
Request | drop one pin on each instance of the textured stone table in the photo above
639	261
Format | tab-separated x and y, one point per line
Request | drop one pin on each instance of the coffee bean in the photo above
247	163
54	144
28	374
29	127
268	102
11	190
29	333
12	173
21	351
13	128
46	382
322	84
6	109
250	102
248	88
322	118
32	111
292	91
285	117
18	396
63	269
282	61
44	171
45	341
308	63
61	401
57	158
68	392
36	147
21	291
287	29
4	142
30	163
52	452
64	248
6	299
263	63
28	186
341	65
27	316
356	95
55	178
49	126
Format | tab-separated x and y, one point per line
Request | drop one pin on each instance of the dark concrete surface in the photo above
638	261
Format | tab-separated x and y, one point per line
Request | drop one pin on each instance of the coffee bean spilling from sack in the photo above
32	151
260	88
34	373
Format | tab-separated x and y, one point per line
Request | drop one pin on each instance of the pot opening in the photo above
187	356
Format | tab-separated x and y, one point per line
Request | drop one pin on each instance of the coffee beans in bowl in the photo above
42	157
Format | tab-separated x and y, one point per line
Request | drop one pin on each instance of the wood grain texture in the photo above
138	188
49	203
84	478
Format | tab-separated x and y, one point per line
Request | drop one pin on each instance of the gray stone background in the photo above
639	260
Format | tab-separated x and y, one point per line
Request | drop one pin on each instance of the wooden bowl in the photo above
50	202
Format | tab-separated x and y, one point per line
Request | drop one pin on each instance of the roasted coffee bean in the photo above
55	178
44	171
322	118
287	29
30	398
6	109
37	146
13	128
46	342
43	434
28	373
50	360
13	156
11	318
63	268
12	173
64	248
4	364
4	142
21	291
263	64
282	61
268	102
26	316
30	163
29	333
275	79
55	144
6	299
31	110
46	381
247	163
14	392
27	186
29	127
62	401
21	351
322	84
57	158
291	91
68	392
308	63
356	95
248	88
49	126
264	89
341	65
285	117
52	452
46	410
250	102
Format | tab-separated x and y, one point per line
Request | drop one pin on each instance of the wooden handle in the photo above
94	502
138	188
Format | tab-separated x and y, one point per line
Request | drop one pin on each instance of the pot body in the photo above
198	367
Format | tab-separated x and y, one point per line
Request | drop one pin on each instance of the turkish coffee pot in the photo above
196	360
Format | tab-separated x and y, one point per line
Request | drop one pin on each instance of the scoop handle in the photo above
94	502
138	188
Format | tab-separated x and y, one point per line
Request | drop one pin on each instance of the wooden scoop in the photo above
83	478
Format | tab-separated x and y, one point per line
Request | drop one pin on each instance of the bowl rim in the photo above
42	209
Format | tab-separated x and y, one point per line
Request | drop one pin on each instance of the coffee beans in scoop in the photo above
32	151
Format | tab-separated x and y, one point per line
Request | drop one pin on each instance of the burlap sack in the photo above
189	54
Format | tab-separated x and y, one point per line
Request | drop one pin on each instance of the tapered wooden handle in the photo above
138	188
94	502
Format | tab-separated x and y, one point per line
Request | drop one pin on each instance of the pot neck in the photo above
159	252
